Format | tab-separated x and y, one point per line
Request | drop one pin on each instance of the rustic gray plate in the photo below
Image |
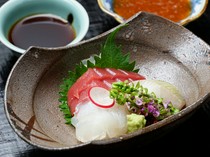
162	49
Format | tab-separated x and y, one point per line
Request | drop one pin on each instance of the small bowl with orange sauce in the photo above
178	11
42	23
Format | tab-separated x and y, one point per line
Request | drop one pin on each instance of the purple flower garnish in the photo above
156	113
139	102
153	110
166	104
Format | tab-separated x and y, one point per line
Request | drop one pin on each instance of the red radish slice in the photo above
100	97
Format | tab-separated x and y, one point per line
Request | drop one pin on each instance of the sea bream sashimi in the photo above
102	77
92	122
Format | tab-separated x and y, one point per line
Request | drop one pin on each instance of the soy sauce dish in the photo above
49	23
161	49
179	11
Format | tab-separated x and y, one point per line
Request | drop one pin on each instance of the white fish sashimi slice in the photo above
88	129
95	123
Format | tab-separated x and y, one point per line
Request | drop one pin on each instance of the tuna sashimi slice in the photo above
101	77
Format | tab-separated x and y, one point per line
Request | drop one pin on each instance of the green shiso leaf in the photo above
111	56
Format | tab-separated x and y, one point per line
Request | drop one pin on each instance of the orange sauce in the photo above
175	10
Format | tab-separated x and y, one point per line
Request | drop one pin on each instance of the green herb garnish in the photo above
111	56
139	101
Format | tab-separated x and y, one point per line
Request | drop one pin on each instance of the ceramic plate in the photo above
162	50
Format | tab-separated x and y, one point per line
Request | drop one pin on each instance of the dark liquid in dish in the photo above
41	30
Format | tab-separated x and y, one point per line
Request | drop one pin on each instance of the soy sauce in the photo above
41	30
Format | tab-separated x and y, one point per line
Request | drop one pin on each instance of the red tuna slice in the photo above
102	77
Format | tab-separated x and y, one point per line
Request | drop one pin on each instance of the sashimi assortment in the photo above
93	117
109	98
103	107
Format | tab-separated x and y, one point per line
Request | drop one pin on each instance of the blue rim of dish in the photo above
106	6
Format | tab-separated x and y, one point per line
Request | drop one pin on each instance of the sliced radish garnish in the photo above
100	97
